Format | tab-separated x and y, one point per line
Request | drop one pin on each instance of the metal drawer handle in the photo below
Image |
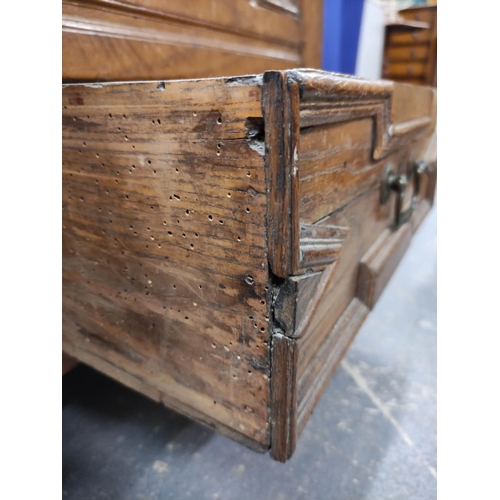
399	183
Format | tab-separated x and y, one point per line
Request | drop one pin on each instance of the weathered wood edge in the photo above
281	123
278	105
146	389
283	397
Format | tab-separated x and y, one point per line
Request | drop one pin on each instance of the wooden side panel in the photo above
165	274
276	19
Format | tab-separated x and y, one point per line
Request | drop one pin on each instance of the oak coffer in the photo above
224	239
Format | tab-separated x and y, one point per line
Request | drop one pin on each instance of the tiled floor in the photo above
372	435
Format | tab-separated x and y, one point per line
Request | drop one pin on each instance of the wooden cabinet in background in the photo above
411	47
116	40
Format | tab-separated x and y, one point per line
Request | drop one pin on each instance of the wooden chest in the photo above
224	239
410	52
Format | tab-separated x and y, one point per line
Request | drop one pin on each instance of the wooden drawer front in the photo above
409	37
406	69
423	15
415	52
338	154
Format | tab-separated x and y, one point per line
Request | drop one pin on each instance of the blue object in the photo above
341	25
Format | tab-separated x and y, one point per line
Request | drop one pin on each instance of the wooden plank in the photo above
334	167
103	45
259	20
283	397
281	110
144	388
164	247
105	40
312	32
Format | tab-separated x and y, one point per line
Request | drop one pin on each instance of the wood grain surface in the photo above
215	233
350	131
109	40
164	250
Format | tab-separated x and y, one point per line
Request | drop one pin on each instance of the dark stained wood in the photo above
109	40
146	389
213	232
281	110
283	397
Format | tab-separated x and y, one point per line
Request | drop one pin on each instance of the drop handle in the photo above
398	184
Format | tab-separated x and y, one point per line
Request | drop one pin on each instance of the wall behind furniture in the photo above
371	41
341	25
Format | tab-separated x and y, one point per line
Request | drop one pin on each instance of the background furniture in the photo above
411	47
106	40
